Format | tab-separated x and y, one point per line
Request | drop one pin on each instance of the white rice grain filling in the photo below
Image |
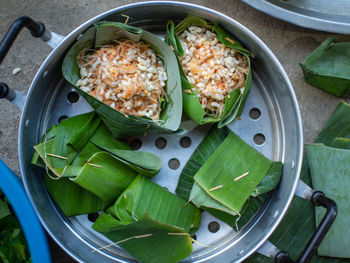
127	76
213	69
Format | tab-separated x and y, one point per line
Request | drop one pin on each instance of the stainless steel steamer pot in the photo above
276	132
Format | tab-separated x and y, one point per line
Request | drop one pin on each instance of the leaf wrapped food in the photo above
151	223
186	185
328	67
215	70
129	76
91	172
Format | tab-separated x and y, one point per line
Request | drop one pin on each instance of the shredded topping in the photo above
213	69
127	76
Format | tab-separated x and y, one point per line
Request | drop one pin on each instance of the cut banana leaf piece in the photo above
235	100
148	240
145	197
328	67
298	225
101	170
330	173
119	124
232	172
341	143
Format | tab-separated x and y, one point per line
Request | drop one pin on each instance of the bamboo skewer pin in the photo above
241	176
121	241
95	165
56	156
215	188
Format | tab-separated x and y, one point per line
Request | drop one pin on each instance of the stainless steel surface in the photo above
17	98
303	190
324	15
280	123
53	39
268	249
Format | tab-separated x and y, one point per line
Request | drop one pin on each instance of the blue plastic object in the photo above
13	189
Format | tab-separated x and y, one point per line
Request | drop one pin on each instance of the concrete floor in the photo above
291	44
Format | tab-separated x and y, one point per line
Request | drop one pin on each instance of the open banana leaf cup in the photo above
103	33
235	100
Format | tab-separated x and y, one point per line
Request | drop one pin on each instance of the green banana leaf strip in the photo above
148	240
341	143
330	173
232	159
250	208
328	67
298	225
120	125
200	199
205	149
144	196
235	100
270	180
105	176
72	199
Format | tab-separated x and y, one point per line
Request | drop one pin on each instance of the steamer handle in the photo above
36	29
318	198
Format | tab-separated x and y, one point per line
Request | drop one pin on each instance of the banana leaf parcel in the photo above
120	125
151	223
235	100
188	189
87	168
299	223
328	67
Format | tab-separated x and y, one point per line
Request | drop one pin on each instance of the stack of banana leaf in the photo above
326	167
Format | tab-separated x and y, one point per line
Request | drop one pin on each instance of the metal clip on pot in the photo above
36	29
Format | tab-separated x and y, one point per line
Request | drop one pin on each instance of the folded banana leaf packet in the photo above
328	67
215	70
221	179
151	223
129	76
86	167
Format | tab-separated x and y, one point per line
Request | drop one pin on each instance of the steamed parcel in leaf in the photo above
151	223
215	70
224	154
86	167
129	76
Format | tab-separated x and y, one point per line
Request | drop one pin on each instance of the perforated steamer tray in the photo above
276	133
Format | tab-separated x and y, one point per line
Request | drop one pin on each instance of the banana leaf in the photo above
330	173
232	172
97	174
328	67
162	219
257	198
120	125
148	240
144	196
298	225
235	100
341	143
